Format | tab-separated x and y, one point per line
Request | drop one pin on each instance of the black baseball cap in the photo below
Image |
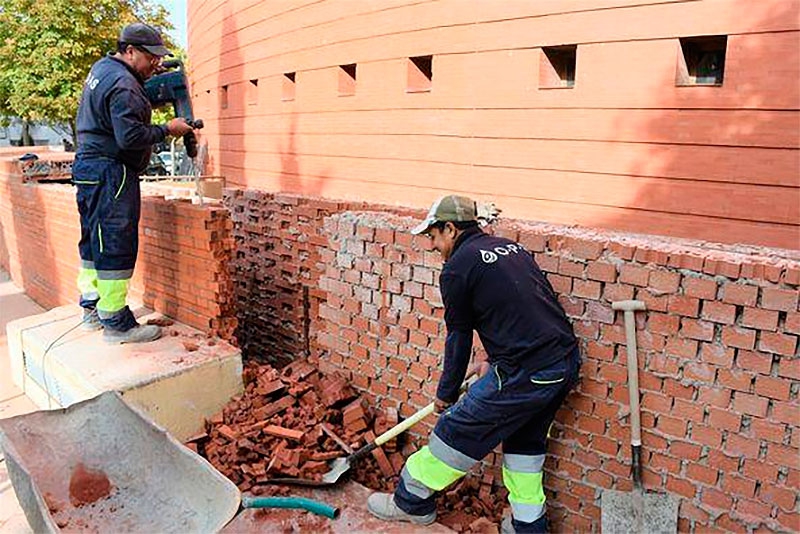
145	36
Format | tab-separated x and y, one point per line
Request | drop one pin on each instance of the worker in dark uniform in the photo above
115	140
493	286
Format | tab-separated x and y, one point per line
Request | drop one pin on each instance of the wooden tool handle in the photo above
416	418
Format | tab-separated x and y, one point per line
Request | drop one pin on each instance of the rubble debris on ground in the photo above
292	422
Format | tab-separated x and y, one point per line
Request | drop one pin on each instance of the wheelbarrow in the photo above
101	465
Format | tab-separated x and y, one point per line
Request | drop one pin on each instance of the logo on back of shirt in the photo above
91	81
491	256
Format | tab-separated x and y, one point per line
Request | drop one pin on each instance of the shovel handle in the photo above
416	418
405	425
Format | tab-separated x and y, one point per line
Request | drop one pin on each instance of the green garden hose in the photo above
316	507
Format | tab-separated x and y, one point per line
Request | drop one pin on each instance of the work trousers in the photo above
109	203
514	408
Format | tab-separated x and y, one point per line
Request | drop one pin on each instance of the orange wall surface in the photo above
625	148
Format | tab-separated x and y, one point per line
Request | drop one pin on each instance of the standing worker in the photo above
115	140
493	286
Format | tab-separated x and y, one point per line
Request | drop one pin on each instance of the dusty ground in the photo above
13	305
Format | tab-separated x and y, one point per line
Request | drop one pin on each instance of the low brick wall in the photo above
277	266
184	251
719	370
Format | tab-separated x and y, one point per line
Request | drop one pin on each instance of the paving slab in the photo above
351	499
14	304
177	380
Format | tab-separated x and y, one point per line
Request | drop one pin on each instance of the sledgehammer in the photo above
629	307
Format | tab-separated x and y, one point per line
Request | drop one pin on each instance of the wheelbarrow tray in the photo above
158	485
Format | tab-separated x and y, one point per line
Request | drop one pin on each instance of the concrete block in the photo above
178	389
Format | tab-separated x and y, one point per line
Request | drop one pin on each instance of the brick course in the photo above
182	267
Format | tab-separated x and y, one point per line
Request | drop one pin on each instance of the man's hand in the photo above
480	368
178	127
441	406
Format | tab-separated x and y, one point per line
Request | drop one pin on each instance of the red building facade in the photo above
676	118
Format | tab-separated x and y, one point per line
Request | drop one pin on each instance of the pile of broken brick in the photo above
292	422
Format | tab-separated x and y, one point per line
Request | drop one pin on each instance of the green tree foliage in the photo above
48	46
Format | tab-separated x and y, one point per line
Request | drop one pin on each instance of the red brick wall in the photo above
276	267
719	366
184	251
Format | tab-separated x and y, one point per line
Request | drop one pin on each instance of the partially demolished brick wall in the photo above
184	251
719	369
276	269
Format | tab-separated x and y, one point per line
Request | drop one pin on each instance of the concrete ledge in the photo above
175	387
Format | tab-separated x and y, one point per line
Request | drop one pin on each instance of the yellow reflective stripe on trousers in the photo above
124	176
87	281
112	294
524	488
431	471
100	237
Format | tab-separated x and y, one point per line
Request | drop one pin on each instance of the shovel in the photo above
623	512
340	466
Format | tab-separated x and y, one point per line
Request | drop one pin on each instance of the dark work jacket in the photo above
492	285
114	116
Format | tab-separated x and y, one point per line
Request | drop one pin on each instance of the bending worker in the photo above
115	140
493	286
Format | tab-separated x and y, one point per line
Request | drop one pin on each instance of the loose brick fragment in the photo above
281	432
268	388
325	456
276	407
380	457
335	390
226	431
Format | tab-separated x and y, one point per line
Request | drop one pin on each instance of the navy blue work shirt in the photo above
492	285
114	116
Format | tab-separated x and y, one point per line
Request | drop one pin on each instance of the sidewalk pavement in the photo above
13	305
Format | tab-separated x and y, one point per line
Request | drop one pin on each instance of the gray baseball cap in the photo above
452	208
145	36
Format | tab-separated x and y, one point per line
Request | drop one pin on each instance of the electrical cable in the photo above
44	361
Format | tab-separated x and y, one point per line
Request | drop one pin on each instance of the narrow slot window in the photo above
288	88
252	92
701	60
347	79
557	67
223	97
420	74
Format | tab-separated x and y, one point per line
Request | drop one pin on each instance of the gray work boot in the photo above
91	321
382	505
138	334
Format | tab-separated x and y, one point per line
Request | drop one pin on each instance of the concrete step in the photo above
57	364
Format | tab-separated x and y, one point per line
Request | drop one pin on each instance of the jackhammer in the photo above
169	86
